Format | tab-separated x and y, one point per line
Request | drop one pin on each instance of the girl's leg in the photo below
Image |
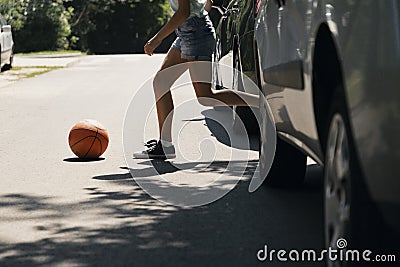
162	84
209	97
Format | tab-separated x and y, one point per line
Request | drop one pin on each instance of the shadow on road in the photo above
236	168
145	232
73	160
220	121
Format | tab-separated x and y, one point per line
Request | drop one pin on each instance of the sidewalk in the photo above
52	60
29	66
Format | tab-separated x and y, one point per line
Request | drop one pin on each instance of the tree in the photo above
116	26
38	24
97	26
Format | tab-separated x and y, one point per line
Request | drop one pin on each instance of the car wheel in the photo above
288	168
242	116
351	220
337	196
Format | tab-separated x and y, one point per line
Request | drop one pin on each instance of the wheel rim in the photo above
337	185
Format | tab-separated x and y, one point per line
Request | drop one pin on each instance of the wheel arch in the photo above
327	78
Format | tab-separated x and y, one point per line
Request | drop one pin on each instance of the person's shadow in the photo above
160	167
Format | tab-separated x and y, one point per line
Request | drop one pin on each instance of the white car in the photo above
6	45
330	71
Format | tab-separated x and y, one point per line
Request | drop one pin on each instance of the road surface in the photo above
57	211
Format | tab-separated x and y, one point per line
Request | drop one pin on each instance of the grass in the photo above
43	70
22	72
57	52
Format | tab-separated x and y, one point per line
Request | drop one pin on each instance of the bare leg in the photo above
209	97
162	84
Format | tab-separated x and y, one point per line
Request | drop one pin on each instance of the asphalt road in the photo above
57	211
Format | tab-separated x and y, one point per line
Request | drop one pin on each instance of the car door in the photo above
225	33
244	32
282	40
285	66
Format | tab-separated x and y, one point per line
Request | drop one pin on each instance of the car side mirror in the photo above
6	28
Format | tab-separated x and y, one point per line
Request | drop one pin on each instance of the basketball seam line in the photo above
94	140
82	140
101	148
91	131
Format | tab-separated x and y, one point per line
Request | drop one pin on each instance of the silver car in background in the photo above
330	71
6	45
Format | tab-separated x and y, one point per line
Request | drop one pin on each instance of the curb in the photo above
53	61
73	63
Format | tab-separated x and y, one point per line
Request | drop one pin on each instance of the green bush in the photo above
94	26
38	24
116	26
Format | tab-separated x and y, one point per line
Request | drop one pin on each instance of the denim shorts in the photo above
196	39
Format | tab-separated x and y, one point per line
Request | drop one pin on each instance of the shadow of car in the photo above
330	74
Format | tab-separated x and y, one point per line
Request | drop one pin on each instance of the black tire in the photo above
289	166
349	212
245	116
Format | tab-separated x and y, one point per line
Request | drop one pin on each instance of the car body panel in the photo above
292	107
367	39
6	42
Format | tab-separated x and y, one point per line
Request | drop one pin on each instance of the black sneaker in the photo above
155	150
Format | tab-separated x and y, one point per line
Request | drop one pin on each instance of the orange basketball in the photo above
88	139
